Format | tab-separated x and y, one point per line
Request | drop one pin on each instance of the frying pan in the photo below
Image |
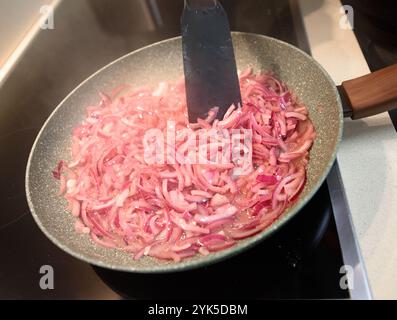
162	61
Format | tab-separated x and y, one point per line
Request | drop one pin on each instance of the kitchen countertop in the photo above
367	156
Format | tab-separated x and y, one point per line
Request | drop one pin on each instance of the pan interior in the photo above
163	62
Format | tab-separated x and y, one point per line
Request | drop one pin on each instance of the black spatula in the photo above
208	57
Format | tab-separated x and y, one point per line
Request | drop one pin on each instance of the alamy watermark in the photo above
48	13
222	148
346	21
47	279
347	280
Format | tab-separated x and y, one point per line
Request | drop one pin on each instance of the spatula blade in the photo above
209	63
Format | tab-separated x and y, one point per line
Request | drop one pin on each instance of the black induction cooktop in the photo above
302	260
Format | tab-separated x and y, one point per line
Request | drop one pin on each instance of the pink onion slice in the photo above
176	210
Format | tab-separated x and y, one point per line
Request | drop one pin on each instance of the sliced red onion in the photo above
174	211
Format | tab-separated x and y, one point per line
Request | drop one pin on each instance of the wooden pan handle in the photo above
373	93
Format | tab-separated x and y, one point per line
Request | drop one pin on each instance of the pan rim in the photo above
214	257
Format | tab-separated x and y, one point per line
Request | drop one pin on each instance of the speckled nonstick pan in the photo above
150	65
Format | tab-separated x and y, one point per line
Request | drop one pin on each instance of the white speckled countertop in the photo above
368	154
